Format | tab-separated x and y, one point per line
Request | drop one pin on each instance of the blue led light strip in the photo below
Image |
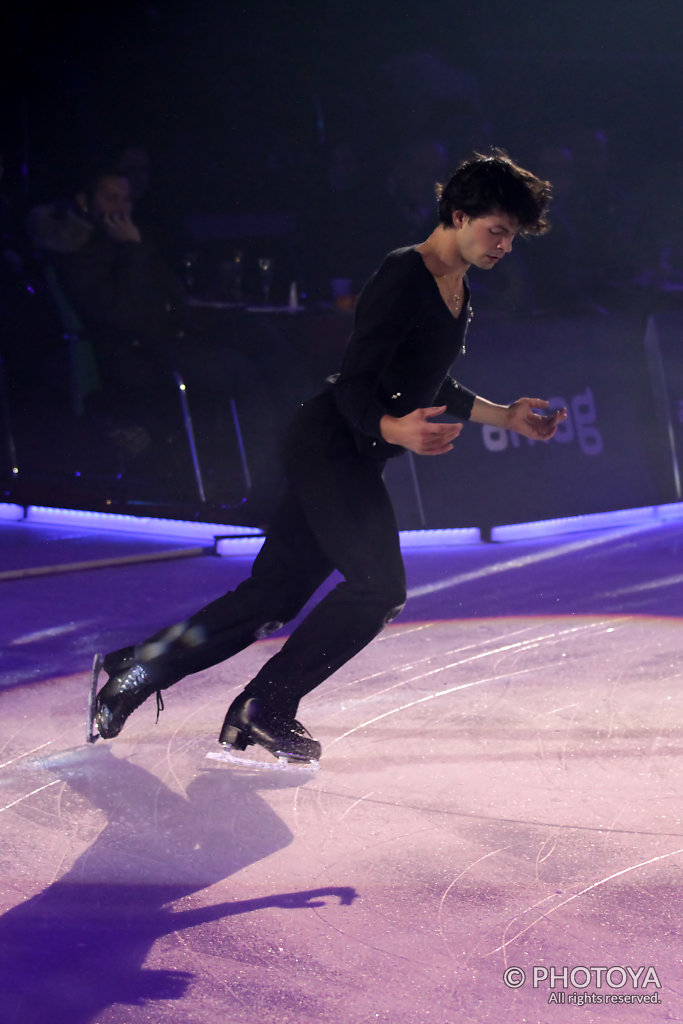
118	523
248	540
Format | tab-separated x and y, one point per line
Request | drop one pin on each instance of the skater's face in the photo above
483	241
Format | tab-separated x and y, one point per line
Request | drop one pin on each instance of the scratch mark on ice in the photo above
563	903
519	646
27	795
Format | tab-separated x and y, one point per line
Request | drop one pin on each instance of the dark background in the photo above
241	108
236	101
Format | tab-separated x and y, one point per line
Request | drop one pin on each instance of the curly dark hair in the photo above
483	184
93	173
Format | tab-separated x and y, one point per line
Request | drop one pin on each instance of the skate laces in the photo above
160	705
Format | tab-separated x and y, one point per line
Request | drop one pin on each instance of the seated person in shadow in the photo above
157	211
134	311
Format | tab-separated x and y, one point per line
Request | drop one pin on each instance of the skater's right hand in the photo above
418	433
121	228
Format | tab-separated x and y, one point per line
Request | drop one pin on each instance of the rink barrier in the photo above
248	541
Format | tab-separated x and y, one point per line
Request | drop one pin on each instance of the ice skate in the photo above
247	723
281	764
124	691
90	734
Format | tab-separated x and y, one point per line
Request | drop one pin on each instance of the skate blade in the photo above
90	734
282	764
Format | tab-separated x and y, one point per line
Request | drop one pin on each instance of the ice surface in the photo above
496	791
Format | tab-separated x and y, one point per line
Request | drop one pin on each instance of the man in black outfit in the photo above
394	382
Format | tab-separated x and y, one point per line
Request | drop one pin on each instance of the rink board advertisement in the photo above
610	453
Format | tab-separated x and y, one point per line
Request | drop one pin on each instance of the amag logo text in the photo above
580	426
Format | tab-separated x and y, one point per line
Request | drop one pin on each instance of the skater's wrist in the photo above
390	429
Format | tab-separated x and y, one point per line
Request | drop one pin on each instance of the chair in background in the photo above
86	383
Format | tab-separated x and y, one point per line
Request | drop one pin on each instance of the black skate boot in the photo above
118	661
120	696
248	722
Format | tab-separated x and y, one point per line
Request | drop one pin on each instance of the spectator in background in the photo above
134	311
157	217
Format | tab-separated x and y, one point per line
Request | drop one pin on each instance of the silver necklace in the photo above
454	300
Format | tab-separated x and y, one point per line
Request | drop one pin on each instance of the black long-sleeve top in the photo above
403	343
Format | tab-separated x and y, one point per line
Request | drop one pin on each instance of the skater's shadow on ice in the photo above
80	945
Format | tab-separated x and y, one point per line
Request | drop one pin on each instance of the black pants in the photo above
336	514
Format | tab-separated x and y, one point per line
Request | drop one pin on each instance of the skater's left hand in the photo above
522	418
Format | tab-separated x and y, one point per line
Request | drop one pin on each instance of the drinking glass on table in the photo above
237	274
265	266
229	277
